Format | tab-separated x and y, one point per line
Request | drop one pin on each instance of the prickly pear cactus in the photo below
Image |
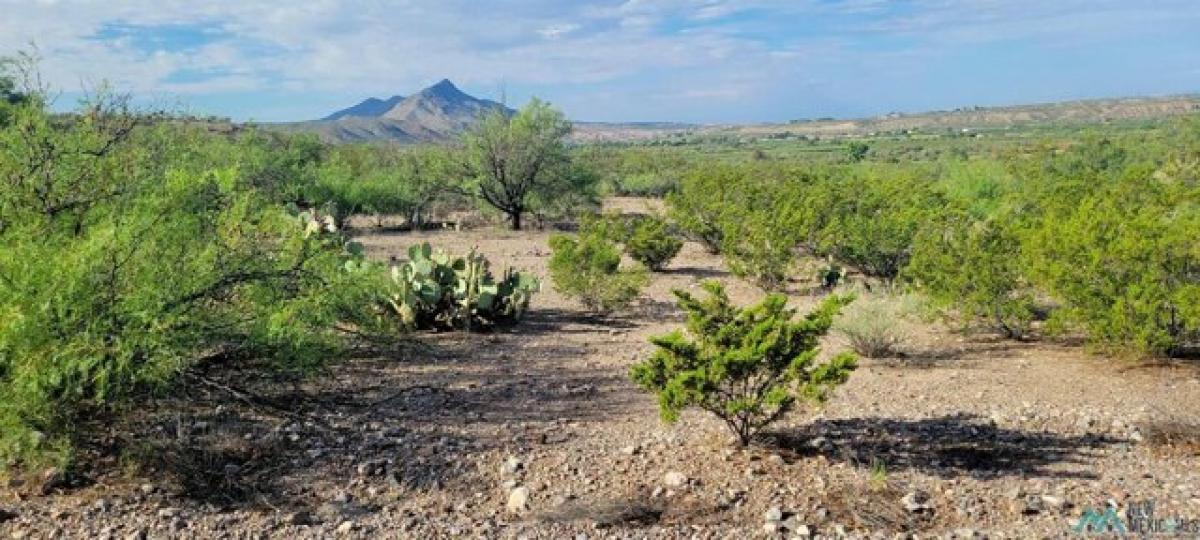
434	291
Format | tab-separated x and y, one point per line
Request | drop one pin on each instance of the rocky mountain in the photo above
368	108
438	112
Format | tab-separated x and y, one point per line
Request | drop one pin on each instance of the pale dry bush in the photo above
879	325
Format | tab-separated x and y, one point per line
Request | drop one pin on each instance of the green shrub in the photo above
747	366
872	217
762	232
651	243
431	290
703	197
589	268
1126	265
975	268
127	258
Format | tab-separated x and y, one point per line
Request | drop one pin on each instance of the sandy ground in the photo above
966	436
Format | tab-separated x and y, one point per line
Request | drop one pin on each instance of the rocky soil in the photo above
536	432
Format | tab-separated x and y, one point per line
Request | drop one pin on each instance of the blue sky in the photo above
706	61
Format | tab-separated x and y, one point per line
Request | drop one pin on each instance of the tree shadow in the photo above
544	321
408	421
696	272
946	446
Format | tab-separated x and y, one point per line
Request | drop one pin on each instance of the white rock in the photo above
518	500
675	479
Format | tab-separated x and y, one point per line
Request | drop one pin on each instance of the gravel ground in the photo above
536	432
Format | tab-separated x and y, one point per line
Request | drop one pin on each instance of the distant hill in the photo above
1091	111
368	108
442	111
438	112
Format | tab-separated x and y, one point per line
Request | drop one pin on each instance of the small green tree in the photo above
651	243
589	268
747	366
516	162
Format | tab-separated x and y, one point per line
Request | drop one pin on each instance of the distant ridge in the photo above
368	108
442	111
438	112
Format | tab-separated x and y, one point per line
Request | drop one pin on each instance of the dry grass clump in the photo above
879	325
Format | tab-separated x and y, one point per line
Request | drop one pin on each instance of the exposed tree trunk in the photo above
515	218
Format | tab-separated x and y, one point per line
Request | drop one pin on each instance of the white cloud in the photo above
690	49
556	31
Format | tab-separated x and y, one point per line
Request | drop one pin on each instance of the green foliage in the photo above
762	232
431	290
699	204
652	244
128	258
520	163
1126	264
856	151
379	180
873	217
747	366
755	216
636	171
976	267
589	268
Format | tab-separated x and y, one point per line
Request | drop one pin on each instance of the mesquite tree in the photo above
747	366
512	160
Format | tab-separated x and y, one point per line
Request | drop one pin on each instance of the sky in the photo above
702	61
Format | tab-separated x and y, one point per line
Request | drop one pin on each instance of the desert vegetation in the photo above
509	333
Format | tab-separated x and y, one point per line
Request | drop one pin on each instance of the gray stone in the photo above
774	513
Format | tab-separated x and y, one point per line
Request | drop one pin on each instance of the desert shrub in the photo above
647	184
651	243
766	223
975	268
856	151
127	259
1126	265
588	267
703	197
872	219
878	325
747	366
432	290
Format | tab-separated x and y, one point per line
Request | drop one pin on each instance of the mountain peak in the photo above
445	89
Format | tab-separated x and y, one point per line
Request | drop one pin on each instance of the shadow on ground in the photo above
411	420
946	446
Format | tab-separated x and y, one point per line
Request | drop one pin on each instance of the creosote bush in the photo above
651	243
747	366
588	267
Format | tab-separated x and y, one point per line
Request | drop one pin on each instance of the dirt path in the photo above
1003	440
